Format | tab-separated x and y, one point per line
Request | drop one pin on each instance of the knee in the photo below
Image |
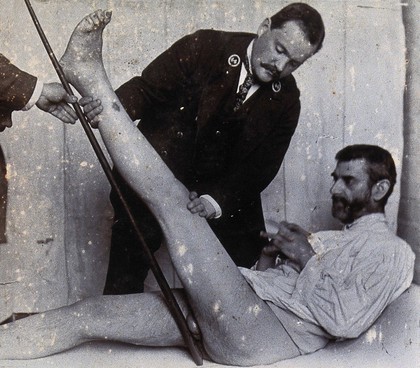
228	355
84	313
245	351
251	357
85	306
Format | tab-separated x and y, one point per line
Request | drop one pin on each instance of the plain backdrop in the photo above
59	217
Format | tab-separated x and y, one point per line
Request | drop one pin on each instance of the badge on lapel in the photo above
276	86
234	60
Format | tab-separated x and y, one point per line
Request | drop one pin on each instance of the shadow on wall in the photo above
409	214
3	197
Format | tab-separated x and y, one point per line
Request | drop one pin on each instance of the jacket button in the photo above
179	135
218	132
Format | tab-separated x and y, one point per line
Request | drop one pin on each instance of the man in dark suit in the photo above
20	91
220	108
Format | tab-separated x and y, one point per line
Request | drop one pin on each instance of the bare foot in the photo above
82	61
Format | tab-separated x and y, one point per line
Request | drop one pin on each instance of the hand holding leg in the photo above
54	100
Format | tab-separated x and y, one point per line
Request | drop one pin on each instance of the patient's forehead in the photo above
356	168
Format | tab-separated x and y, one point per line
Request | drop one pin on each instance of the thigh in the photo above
264	341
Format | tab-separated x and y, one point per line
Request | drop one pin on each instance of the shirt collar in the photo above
243	74
366	221
249	53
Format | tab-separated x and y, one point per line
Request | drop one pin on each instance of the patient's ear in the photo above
380	189
264	27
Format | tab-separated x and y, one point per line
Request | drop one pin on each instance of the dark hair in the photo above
309	18
380	163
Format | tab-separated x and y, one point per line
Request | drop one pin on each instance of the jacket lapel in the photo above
258	115
220	88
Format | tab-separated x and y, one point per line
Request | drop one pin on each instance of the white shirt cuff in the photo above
214	204
36	94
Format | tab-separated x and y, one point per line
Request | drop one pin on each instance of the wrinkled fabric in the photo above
344	288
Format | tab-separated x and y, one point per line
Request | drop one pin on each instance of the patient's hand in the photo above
201	206
290	240
92	109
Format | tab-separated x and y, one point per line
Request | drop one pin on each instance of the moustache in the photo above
340	200
272	69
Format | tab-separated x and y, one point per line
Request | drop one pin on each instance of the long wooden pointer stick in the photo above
154	266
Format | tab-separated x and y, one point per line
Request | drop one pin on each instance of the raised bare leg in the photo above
221	299
237	326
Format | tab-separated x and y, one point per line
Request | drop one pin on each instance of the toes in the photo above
96	18
105	16
108	15
100	17
89	23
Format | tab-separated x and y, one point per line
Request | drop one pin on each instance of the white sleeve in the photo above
36	94
214	204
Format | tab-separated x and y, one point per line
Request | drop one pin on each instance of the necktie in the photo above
244	87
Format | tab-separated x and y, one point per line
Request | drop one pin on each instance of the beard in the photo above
348	211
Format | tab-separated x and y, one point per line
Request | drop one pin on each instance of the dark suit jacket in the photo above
16	88
184	100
